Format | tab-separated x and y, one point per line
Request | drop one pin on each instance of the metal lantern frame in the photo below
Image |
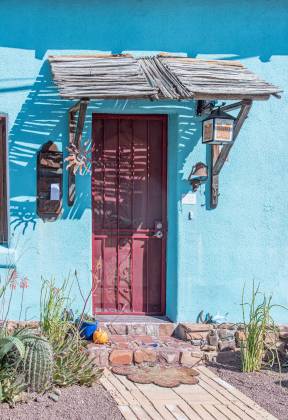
212	128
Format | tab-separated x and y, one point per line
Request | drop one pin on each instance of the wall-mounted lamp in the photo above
218	128
198	175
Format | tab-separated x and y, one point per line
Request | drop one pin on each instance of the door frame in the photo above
164	119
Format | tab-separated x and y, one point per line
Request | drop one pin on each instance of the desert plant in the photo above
71	362
12	386
30	356
53	302
72	365
256	326
13	347
37	364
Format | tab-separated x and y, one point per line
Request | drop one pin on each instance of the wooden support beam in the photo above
230	97
80	122
206	107
71	176
215	152
75	135
219	153
245	108
75	107
233	106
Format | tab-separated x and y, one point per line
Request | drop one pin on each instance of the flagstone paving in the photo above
211	398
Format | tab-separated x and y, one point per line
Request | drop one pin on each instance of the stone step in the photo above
155	329
128	349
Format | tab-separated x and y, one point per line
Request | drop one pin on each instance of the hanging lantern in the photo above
218	128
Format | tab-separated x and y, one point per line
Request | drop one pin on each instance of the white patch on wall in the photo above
55	192
189	198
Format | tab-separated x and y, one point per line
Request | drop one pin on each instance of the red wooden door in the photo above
129	213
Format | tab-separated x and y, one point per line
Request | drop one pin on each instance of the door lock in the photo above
158	226
158	234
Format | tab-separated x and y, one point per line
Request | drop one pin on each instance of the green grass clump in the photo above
257	324
71	362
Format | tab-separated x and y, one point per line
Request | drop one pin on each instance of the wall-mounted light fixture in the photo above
198	175
204	107
218	128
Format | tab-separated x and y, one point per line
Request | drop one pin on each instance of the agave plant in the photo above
11	346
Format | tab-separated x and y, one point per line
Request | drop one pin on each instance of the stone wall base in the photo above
186	344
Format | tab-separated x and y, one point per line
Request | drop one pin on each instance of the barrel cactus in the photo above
30	355
37	363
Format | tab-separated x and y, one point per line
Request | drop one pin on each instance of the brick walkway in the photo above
211	399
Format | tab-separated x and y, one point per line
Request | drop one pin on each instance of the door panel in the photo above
128	199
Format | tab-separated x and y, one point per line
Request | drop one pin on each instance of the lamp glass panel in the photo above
207	130
223	130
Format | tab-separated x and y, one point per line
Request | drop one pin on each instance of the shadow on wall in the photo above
243	28
41	118
44	117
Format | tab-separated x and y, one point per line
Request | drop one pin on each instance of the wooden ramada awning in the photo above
86	77
155	77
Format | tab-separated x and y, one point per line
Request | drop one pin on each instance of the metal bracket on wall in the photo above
220	153
75	135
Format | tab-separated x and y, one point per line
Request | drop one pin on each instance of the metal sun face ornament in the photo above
218	128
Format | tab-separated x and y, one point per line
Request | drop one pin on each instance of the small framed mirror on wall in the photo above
49	182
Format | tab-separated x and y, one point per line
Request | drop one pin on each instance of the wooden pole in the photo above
215	152
75	135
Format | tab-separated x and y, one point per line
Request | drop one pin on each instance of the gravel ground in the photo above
262	387
75	403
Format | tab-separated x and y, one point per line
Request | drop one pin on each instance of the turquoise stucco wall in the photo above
214	253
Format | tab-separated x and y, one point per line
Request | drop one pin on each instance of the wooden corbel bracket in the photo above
76	126
219	154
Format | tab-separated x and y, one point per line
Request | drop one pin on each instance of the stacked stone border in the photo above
186	344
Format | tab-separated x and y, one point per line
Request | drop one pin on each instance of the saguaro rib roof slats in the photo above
100	77
218	77
156	77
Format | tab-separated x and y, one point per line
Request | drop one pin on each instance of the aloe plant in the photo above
71	363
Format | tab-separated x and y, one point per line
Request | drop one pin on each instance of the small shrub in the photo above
256	325
53	301
12	386
71	362
72	365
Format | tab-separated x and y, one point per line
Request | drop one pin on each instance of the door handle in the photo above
158	228
158	234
